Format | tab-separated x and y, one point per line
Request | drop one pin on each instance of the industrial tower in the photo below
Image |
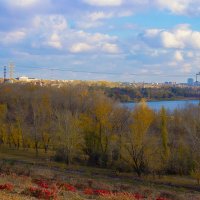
198	74
4	73
11	70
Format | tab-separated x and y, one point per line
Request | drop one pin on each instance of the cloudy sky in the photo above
121	40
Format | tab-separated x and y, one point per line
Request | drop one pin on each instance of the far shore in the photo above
163	99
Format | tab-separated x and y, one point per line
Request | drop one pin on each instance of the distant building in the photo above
197	83
190	81
170	83
22	78
26	79
8	81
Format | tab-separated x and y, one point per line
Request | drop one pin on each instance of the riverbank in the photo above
134	94
159	100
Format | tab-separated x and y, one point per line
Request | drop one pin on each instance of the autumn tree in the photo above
135	141
164	133
120	119
80	123
47	128
16	134
3	127
97	129
192	125
69	139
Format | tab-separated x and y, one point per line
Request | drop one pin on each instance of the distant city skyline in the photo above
121	40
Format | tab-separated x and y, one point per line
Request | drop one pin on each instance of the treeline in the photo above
88	128
134	94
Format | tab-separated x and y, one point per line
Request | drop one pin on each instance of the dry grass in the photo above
14	196
84	177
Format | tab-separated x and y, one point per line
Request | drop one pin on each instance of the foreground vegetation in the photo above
35	178
79	126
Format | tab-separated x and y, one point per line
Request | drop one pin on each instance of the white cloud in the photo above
190	54
97	19
181	37
21	3
12	37
186	68
48	30
175	6
80	48
99	15
97	42
181	7
170	40
152	32
104	2
110	48
125	13
89	24
93	43
50	22
54	41
94	19
178	56
99	37
53	31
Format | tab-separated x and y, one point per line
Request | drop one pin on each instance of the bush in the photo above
61	155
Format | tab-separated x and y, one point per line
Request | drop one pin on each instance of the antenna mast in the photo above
198	74
11	70
4	73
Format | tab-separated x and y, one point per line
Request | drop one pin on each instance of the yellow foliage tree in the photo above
135	141
97	128
3	127
69	137
16	135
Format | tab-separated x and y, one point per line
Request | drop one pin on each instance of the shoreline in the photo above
161	100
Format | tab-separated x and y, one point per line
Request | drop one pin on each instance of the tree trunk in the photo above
36	149
46	148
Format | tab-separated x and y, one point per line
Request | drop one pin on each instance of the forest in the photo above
130	94
85	127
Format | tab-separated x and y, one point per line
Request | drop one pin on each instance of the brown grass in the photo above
84	177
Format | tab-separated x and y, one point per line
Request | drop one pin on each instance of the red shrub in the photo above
69	187
89	191
54	188
7	186
42	184
80	186
42	193
162	198
2	175
138	196
102	192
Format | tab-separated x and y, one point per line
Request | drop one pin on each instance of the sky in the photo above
115	40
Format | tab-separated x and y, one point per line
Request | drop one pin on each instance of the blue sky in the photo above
157	40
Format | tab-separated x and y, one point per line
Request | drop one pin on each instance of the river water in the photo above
169	105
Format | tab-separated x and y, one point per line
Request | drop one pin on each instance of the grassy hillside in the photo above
28	177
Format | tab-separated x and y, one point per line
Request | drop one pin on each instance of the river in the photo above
169	105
